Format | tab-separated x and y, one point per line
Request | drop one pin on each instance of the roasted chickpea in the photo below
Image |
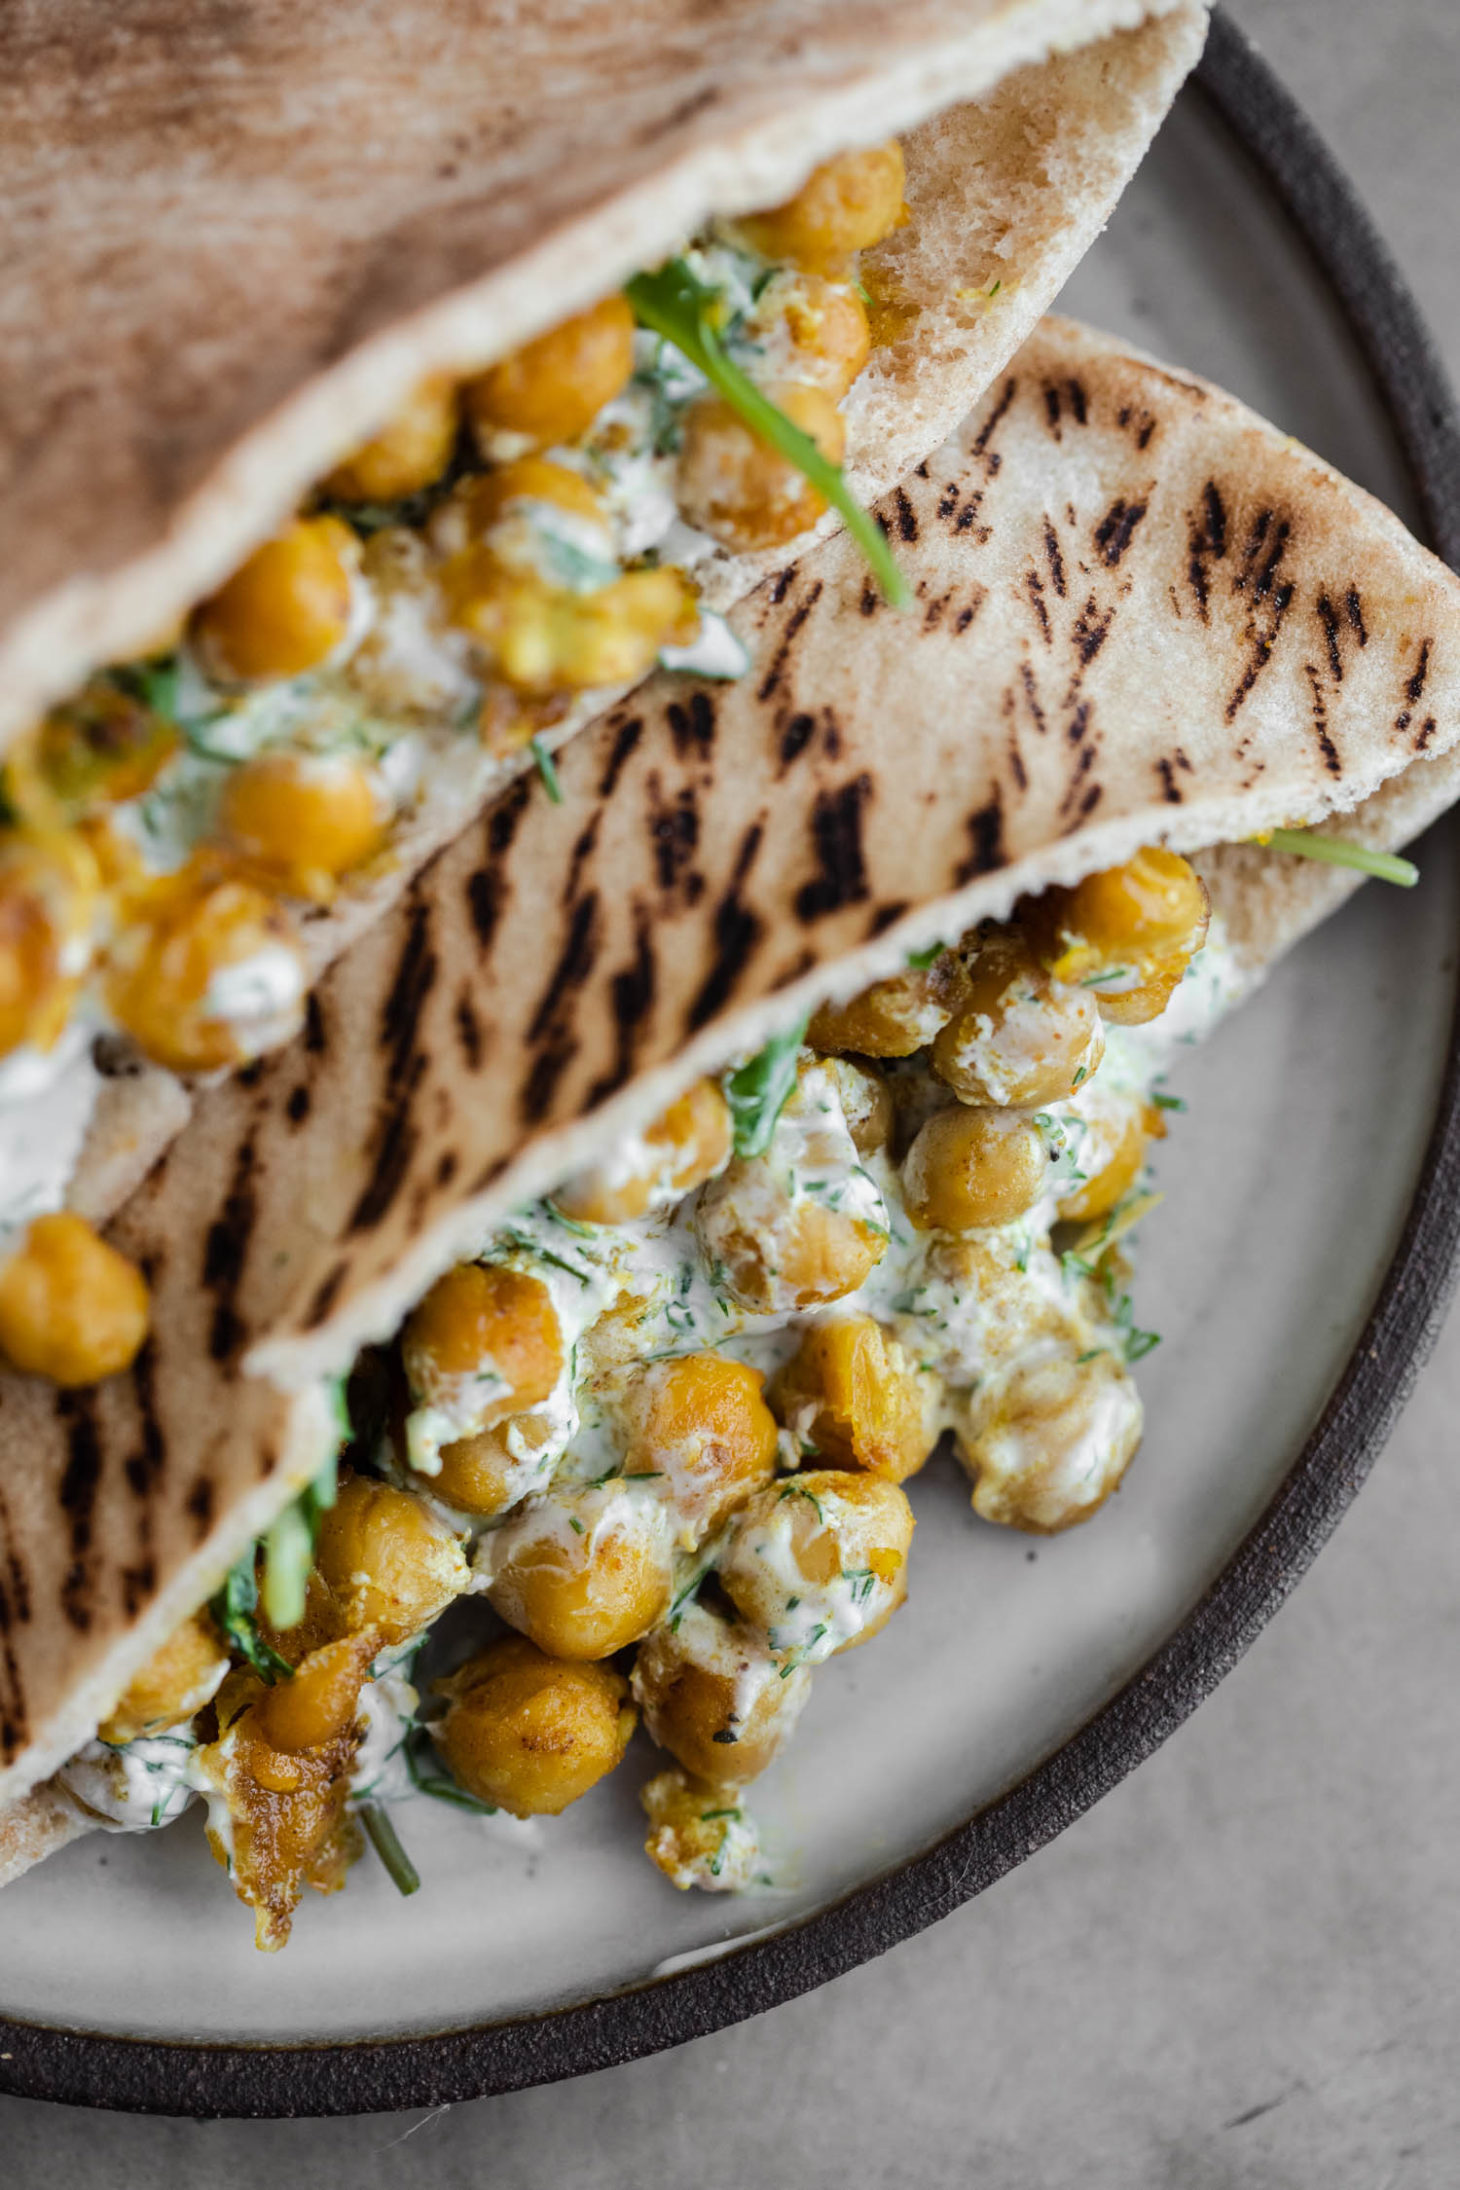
738	488
529	1734
776	1252
552	389
1018	1038
973	1167
71	1307
810	329
851	1393
818	1562
866	1105
49	898
1048	1441
483	502
492	1469
177	1680
701	1426
319	1701
714	1696
674	1155
582	1572
408	454
1127	934
485	1343
101	748
1123	1145
846	205
305	819
894	1017
389	1563
698	1834
286	609
207	970
542	639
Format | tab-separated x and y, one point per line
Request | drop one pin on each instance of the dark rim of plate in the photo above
363	2076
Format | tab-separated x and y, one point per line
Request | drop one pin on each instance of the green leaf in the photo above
674	303
1337	851
759	1090
384	1840
234	1608
288	1557
921	960
547	769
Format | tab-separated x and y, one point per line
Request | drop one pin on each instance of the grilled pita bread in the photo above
1142	615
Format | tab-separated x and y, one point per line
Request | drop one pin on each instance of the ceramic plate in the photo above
1294	1272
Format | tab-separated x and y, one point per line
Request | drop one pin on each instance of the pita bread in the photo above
341	283
1142	615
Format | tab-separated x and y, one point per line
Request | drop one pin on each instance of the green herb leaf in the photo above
759	1090
288	1557
384	1840
678	306
234	1608
921	960
547	769
1337	851
1168	1102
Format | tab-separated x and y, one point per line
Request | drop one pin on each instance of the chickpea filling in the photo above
511	544
663	1422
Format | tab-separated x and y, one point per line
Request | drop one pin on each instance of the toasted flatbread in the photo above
1142	615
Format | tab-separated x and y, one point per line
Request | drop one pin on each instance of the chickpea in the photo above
1127	934
207	971
683	1148
528	1734
286	609
553	388
543	639
713	1696
71	1307
305	819
894	1017
390	1564
1050	1439
866	1105
492	1469
811	330
49	898
846	205
1018	1038
1146	999
973	1167
408	454
1123	1144
738	488
818	1562
177	1680
701	1425
481	503
320	1700
102	748
582	1573
805	1254
851	1392
485	1342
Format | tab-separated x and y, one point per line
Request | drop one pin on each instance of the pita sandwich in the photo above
278	301
1150	631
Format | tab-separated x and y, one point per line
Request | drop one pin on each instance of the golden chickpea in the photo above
71	1307
528	1734
846	205
1124	1157
851	1393
738	488
713	1696
973	1167
489	1471
49	897
304	819
408	454
552	389
319	1702
894	1017
818	1562
582	1573
207	970
178	1679
102	748
286	609
1132	928
1050	1440
698	1835
1146	999
701	1426
492	1328
390	1564
1019	1038
810	329
866	1104
776	1253
683	1148
542	639
482	503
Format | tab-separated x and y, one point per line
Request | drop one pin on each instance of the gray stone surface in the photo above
1241	1971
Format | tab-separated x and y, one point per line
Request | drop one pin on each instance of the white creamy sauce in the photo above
728	1866
386	1719
46	1101
259	997
136	1785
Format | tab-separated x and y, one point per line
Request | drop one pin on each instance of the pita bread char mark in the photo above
955	754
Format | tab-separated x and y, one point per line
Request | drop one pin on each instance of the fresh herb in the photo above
707	1817
575	1524
799	1490
677	305
1097	980
1337	851
1139	1343
384	1840
234	1608
1081	1076
547	769
289	1547
921	960
1168	1102
154	683
798	1657
759	1090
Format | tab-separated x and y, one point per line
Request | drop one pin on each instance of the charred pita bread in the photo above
1143	616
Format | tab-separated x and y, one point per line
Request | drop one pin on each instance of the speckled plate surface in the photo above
1295	1273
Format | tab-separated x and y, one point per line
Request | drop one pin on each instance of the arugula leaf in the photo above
676	304
234	1608
1337	851
758	1090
